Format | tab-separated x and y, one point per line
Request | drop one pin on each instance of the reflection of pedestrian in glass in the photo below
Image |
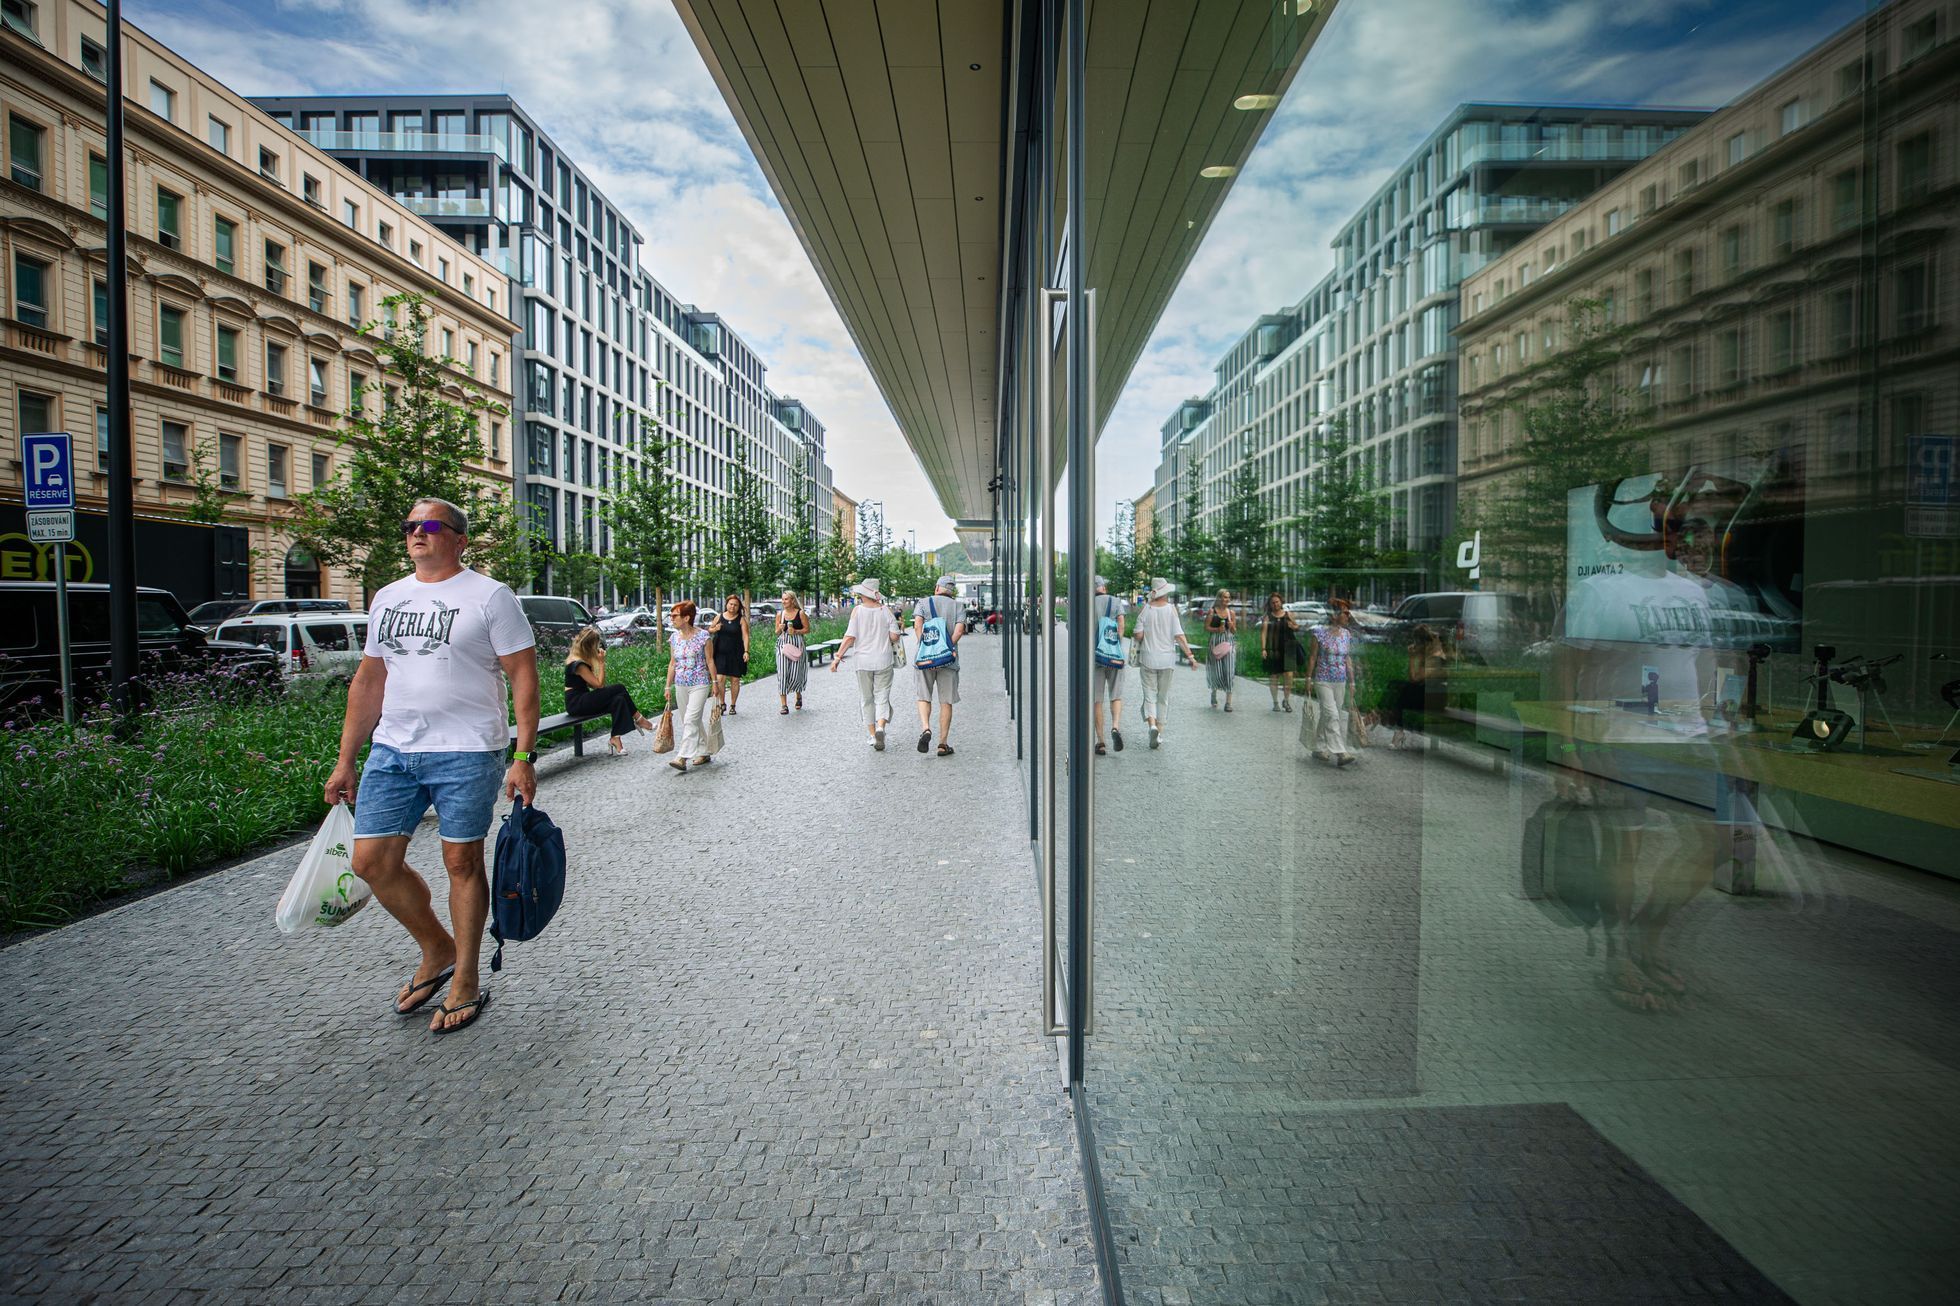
792	668
1106	680
1279	645
1221	631
1331	671
1420	694
1159	635
1647	628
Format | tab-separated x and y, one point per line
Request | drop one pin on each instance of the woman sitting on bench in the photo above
588	694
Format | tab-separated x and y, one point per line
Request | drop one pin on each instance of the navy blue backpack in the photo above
529	881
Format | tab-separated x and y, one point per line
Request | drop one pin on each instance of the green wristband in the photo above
519	755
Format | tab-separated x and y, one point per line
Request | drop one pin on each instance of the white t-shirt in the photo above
873	629
441	642
1631	626
1157	629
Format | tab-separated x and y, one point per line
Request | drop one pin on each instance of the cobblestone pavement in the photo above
779	1046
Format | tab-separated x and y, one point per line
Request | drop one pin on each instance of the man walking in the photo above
1106	681
873	633
939	645
430	693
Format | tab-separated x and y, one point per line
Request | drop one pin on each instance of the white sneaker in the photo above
1156	736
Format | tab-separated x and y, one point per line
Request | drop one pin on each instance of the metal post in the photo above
1082	547
125	692
61	625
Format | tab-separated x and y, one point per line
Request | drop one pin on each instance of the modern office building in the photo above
604	345
1370	349
254	260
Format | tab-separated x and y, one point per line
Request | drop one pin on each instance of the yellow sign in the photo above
22	559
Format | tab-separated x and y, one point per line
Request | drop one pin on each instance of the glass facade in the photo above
1499	824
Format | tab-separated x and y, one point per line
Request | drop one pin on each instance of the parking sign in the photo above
47	460
1932	486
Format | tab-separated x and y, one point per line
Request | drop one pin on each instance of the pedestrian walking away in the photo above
730	631
588	694
1280	649
690	686
937	625
872	636
1159	635
442	645
1332	670
792	667
1106	681
1221	633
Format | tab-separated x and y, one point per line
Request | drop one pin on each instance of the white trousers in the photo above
875	695
1156	693
1331	737
691	739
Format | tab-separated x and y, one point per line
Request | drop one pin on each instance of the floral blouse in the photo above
1335	642
690	658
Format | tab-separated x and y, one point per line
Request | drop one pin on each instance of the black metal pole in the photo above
1081	551
125	690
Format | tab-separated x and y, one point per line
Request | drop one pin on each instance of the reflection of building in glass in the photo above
254	260
1775	289
603	343
843	516
1143	511
1370	346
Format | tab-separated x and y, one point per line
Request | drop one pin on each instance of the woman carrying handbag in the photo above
792	668
1222	629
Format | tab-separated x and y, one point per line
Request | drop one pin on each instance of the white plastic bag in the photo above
324	891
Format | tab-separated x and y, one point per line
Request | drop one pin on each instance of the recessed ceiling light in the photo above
1217	170
974	67
1255	102
979	197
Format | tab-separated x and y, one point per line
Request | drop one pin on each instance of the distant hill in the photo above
952	558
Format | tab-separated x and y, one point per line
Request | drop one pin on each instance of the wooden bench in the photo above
819	653
575	721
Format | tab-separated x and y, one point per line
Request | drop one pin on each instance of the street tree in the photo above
840	560
650	515
743	554
1576	427
421	443
1116	559
799	548
1245	551
1189	552
1342	517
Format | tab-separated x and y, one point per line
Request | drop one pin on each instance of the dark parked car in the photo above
207	616
1475	625
554	619
167	644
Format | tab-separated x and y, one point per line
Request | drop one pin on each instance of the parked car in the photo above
630	628
209	614
322	644
554	618
167	644
1475	625
764	609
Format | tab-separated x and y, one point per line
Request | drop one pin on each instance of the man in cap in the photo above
1106	681
944	679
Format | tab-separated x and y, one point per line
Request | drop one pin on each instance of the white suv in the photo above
324	644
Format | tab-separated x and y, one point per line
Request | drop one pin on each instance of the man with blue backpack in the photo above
938	623
1107	679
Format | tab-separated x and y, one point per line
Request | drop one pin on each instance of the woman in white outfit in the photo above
1331	671
873	635
1159	635
689	683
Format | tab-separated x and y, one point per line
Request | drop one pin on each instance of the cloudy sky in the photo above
619	84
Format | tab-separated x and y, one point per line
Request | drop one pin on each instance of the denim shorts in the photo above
397	788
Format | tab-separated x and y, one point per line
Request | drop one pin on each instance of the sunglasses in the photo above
429	527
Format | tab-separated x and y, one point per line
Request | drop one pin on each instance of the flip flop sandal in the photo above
475	1007
945	750
434	986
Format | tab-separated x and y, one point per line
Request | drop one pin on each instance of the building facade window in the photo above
95	60
26	148
275	368
228	338
224	246
163	101
175	439
30	290
275	267
317	295
98	186
218	132
36	412
170	335
99	307
170	216
356	303
231	454
316	369
277	456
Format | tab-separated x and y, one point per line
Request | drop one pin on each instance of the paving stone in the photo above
708	1081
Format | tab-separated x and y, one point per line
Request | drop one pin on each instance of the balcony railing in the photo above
431	207
379	142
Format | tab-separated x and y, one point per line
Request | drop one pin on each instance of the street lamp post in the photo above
125	690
